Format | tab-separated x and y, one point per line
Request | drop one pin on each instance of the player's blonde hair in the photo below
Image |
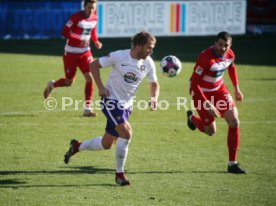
142	38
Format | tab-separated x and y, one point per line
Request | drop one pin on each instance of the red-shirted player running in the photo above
212	98
78	31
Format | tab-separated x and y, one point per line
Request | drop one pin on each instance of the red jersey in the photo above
209	70
80	28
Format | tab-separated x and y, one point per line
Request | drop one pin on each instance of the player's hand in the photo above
238	95
98	44
84	43
153	104
103	92
212	109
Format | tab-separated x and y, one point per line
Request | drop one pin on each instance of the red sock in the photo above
59	83
89	90
233	142
198	123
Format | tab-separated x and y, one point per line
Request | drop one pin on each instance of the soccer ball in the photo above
170	66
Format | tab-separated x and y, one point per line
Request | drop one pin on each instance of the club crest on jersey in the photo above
198	70
69	23
130	77
142	67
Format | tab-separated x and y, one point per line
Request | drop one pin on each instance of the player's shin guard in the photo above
233	142
60	83
198	123
121	154
89	90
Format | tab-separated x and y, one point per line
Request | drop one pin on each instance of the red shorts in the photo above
221	99
72	61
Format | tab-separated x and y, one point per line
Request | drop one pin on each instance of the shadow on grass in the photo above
14	183
11	182
210	172
73	170
48	185
82	170
96	170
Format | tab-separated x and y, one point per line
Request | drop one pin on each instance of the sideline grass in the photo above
167	163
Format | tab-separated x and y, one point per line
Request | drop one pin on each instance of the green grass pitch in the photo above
167	163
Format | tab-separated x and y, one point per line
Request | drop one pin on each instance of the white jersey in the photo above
126	75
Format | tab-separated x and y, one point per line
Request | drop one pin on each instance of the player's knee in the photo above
127	134
89	79
235	123
210	131
68	82
107	146
125	131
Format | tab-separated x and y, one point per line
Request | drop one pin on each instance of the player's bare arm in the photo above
238	94
95	70
232	71
98	44
154	94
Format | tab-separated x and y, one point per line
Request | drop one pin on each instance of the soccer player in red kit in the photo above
211	97
79	31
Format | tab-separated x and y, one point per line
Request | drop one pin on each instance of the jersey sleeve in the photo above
66	29
66	32
110	59
94	34
151	75
232	71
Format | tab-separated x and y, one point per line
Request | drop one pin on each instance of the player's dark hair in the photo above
89	1
142	38
224	35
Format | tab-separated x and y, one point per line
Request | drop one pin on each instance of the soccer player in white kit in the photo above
129	68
